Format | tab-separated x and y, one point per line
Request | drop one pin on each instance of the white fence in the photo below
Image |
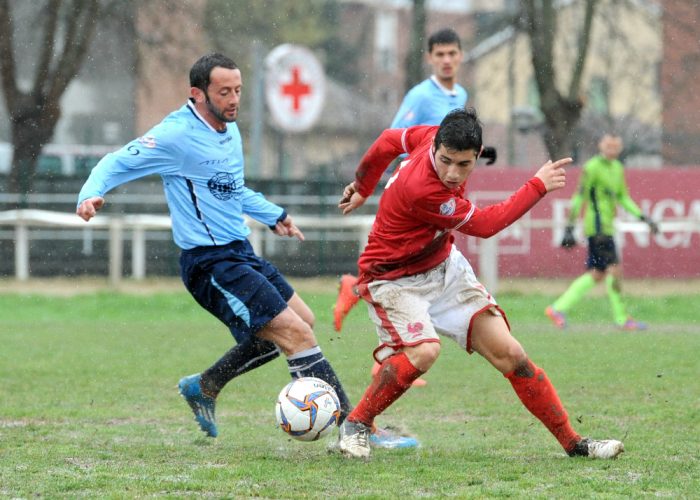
136	226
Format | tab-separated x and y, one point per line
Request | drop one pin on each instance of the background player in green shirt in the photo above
601	188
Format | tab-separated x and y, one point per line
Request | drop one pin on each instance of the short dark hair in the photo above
444	37
200	73
460	130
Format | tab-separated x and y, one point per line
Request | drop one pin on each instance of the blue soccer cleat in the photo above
633	325
202	405
384	438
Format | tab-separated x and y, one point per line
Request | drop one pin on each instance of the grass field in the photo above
88	406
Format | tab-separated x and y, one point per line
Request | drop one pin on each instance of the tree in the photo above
561	110
65	32
414	57
313	23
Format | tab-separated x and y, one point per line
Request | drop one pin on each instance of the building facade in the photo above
620	88
680	83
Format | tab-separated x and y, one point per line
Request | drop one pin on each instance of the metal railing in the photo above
135	227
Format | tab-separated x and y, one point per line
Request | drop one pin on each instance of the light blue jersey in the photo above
427	104
202	172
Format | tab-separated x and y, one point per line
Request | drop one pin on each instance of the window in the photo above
599	95
533	95
385	31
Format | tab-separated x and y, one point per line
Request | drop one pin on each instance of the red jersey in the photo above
412	232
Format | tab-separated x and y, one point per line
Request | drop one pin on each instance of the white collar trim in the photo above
192	107
447	91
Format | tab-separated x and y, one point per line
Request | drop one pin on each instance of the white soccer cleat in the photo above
598	448
354	439
605	448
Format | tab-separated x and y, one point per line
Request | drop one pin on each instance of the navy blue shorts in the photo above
601	252
241	289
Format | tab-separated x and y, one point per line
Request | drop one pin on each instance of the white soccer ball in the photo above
307	408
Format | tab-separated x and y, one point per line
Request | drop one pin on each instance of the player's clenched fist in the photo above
88	208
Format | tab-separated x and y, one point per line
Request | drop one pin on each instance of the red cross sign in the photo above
294	87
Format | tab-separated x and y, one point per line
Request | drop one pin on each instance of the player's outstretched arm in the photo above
553	175
89	207
288	228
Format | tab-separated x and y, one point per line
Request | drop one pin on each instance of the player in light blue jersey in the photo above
428	102
198	152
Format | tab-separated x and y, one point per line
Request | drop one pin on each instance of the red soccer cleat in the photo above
347	298
557	318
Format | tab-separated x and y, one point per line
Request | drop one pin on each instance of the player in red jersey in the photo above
425	104
419	287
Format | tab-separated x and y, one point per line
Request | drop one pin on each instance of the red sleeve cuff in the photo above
363	190
538	185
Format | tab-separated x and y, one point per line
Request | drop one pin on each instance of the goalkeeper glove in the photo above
489	152
568	241
653	226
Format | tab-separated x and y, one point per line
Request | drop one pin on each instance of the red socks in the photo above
539	396
394	377
532	387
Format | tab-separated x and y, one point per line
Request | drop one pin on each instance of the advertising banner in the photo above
531	247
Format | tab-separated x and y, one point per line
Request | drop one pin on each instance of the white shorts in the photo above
418	308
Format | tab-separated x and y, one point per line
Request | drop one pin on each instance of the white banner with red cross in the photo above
295	87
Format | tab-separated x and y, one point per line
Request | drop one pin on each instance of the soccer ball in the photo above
307	408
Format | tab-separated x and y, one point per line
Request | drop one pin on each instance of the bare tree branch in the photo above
540	25
7	56
561	112
69	27
78	38
48	45
414	57
584	43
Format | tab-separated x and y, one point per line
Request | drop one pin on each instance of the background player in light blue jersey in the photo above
198	152
428	102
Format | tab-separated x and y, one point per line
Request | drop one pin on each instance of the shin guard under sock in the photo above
576	291
240	359
394	377
612	285
537	393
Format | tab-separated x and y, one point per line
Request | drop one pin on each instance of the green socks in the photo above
615	296
574	293
582	285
